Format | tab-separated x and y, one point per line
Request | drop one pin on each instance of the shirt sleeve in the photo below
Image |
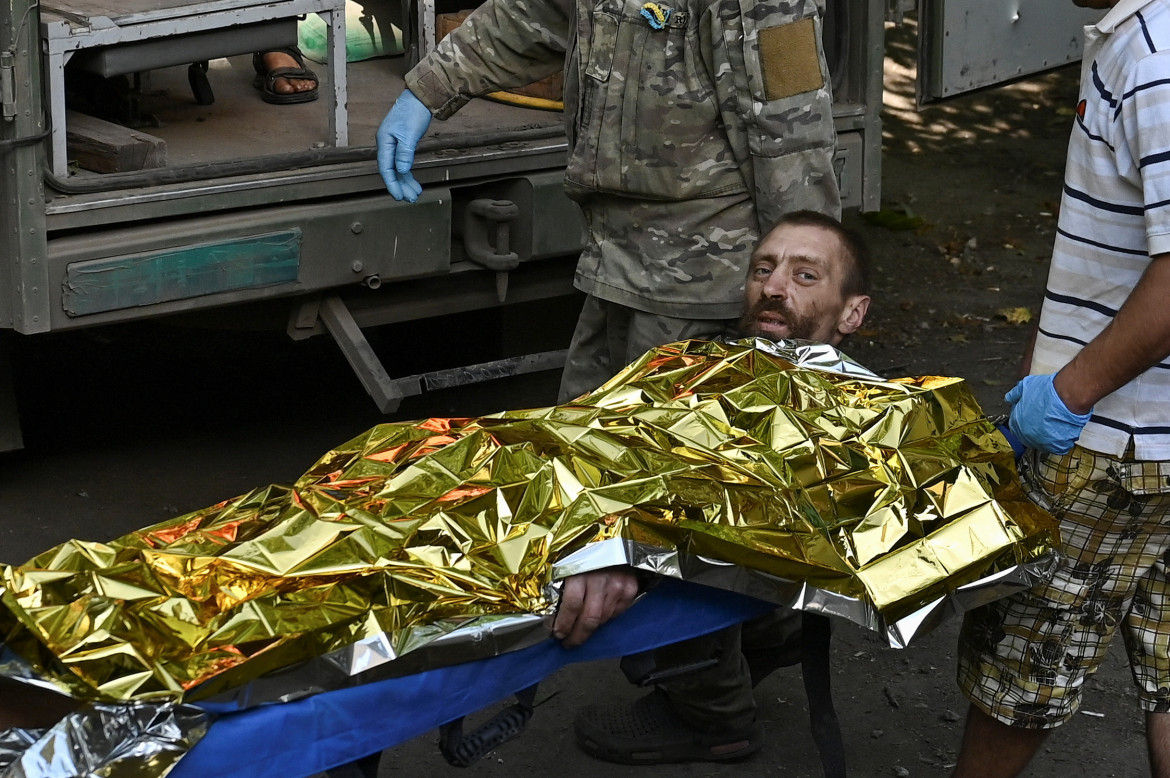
503	44
1145	123
772	82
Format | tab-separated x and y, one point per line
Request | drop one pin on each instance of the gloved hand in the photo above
1040	419
397	138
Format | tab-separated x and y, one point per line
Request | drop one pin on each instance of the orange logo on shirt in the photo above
1081	109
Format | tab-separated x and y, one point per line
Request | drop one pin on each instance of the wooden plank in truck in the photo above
105	147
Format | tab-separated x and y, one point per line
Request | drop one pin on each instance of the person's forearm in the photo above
1138	337
1026	362
503	44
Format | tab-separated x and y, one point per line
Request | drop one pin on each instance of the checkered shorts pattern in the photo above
1023	660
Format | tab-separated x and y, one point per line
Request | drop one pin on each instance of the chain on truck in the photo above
144	178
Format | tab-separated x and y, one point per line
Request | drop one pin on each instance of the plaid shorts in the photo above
1023	660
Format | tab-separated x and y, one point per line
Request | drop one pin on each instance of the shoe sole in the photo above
680	753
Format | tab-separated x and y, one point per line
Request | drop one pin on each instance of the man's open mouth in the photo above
770	321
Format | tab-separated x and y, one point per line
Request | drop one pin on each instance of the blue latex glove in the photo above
1040	419
397	138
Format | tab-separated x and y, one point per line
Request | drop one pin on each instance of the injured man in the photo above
808	280
425	554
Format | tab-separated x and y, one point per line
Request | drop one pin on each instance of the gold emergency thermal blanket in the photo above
731	464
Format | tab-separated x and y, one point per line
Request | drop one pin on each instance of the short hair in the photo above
857	276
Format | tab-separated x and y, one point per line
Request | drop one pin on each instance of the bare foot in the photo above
281	85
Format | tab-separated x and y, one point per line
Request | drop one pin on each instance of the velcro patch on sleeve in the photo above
789	58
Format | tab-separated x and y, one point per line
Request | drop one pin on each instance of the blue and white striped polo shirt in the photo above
1115	214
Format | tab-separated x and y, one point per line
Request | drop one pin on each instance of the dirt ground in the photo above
133	424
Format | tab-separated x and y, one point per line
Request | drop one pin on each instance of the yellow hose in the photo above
524	101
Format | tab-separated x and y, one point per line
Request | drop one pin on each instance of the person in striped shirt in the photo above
1095	415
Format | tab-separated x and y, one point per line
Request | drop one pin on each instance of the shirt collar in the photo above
1120	12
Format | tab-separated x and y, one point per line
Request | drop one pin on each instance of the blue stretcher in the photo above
333	728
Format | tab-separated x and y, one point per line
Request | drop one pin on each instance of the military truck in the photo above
199	198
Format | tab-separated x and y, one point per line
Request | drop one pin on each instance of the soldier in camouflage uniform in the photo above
692	128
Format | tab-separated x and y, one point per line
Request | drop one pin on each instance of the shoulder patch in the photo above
790	59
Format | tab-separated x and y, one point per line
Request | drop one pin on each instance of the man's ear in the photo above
853	315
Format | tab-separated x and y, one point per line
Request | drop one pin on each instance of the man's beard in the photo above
801	327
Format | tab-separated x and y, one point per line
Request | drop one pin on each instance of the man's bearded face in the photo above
793	288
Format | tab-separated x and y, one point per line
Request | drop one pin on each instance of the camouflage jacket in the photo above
691	129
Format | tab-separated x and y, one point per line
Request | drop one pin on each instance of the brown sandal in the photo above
265	79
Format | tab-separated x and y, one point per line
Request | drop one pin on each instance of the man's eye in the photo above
763	272
804	275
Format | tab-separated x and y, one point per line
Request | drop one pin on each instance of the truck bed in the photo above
255	204
239	125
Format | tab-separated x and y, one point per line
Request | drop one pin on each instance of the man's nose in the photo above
776	288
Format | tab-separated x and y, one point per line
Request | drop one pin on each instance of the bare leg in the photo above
1158	743
995	750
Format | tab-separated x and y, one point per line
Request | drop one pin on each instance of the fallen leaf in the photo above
960	338
1016	315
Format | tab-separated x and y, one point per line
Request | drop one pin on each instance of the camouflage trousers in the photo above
610	336
1024	659
719	695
